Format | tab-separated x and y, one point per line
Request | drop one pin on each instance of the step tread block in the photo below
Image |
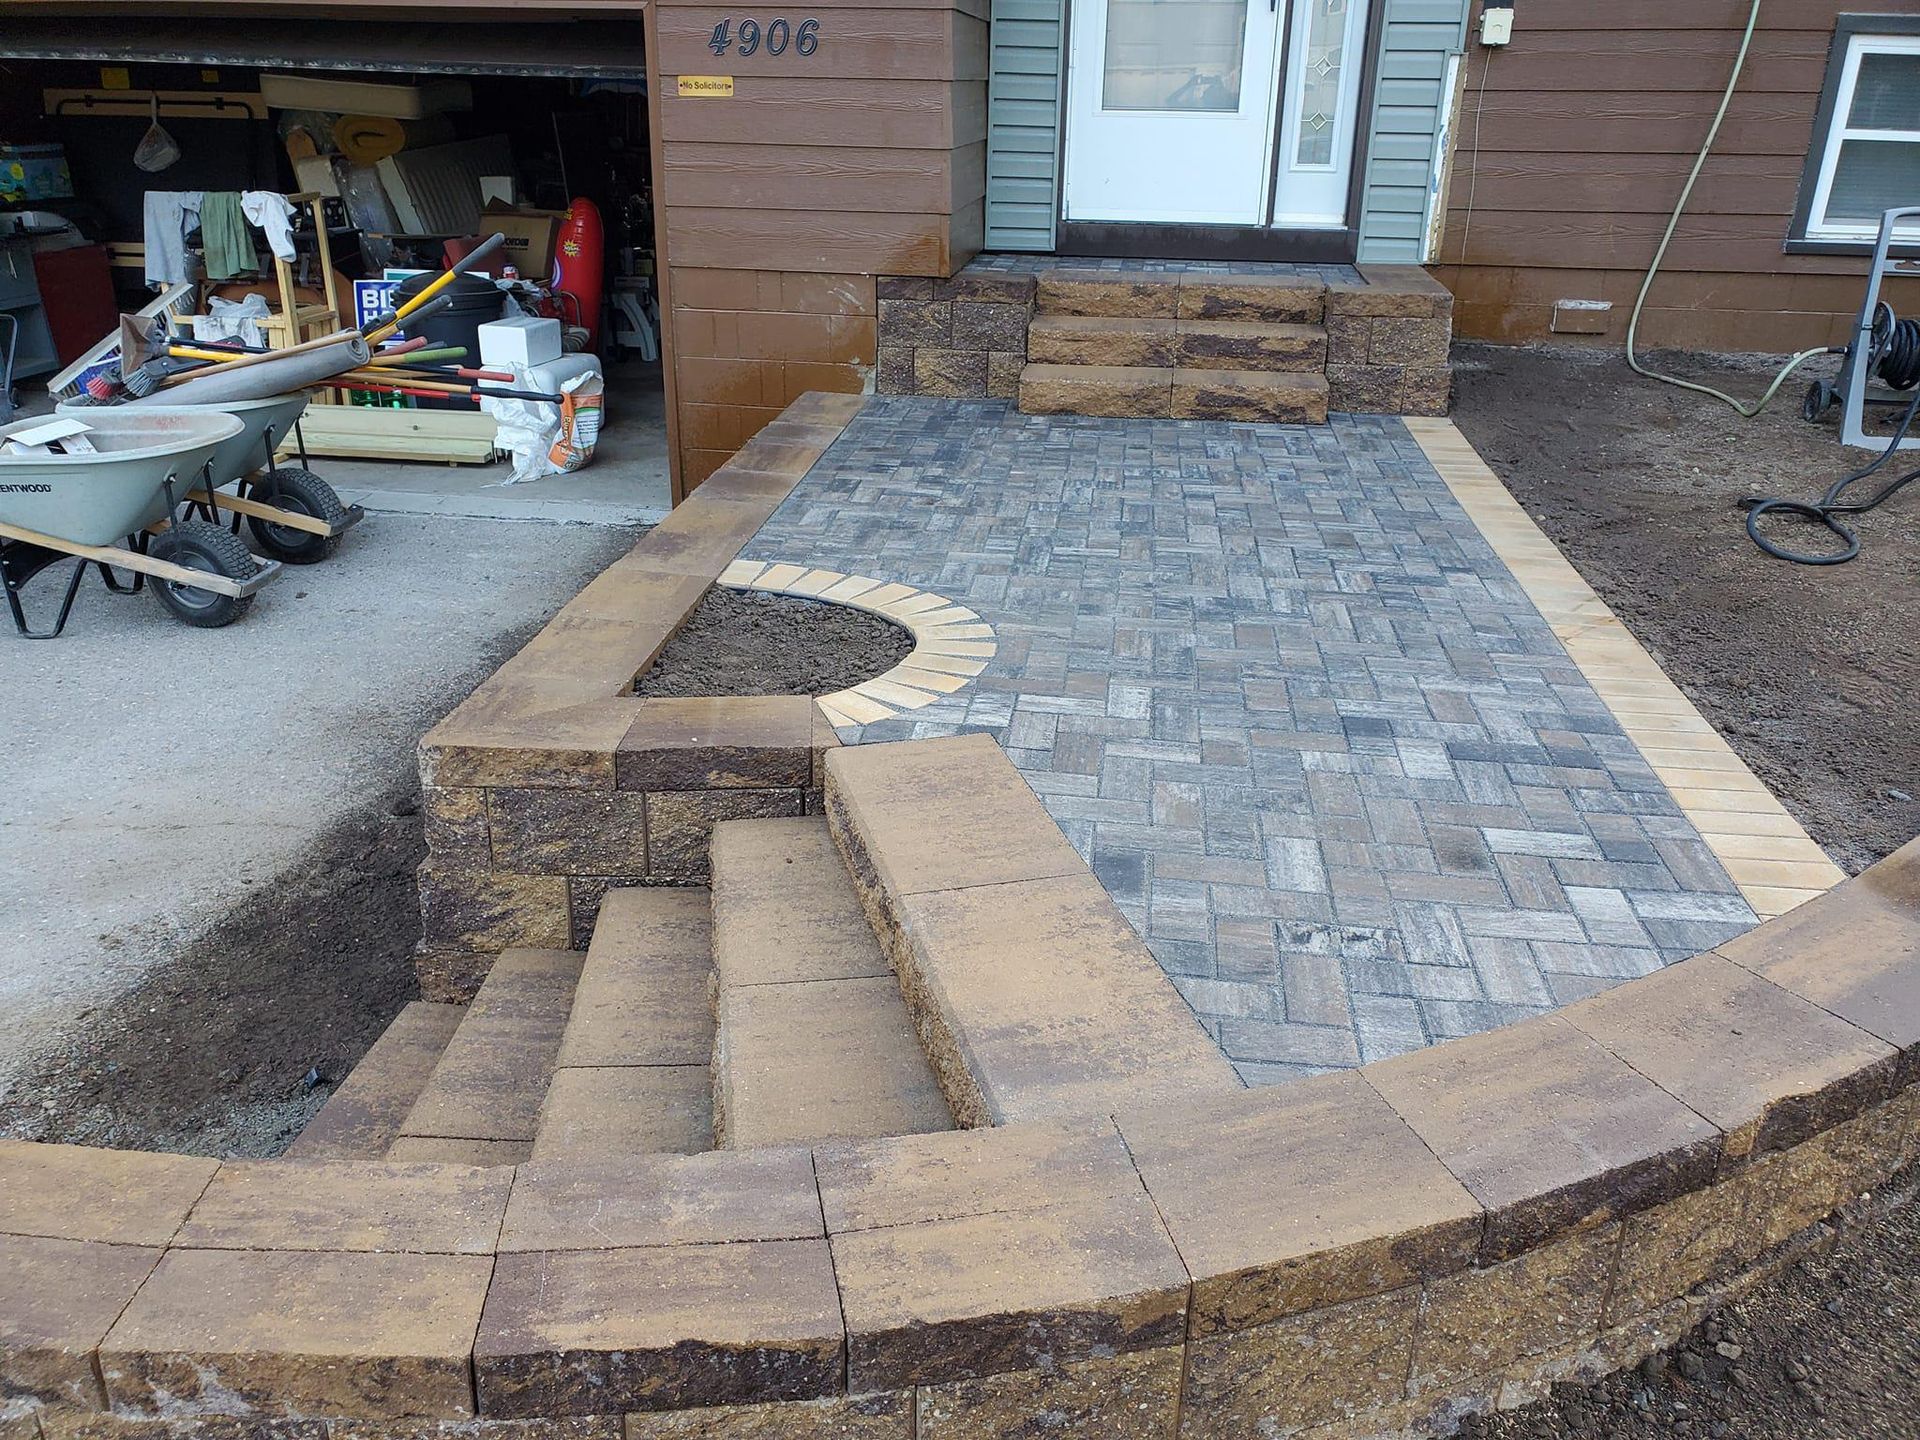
784	908
364	1114
597	1112
1142	294
822	1059
1269	396
1100	340
1271	298
643	992
493	1075
1034	996
1116	391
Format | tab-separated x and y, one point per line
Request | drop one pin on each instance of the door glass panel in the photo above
1174	55
1320	94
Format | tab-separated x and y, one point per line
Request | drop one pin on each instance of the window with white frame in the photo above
1868	159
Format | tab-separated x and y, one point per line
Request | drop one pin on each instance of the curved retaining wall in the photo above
1375	1252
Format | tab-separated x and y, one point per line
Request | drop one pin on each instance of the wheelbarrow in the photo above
54	507
292	513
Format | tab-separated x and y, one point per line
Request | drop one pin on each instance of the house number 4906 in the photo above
775	35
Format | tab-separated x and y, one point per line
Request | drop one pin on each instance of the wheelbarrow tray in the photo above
244	455
79	501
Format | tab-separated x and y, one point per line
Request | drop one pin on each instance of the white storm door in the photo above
1170	110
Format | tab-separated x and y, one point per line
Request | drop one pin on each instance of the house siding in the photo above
1404	126
1567	169
1023	123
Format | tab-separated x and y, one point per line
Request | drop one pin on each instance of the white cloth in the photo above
167	216
272	212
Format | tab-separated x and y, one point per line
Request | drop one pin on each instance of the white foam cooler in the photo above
523	340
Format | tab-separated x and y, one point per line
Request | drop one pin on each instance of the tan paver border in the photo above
951	644
1770	857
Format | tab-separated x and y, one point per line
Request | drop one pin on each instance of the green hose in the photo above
1673	223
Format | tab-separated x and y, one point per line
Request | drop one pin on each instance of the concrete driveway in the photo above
151	773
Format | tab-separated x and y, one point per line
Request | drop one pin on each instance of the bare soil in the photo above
1810	673
742	643
1826	1350
230	1046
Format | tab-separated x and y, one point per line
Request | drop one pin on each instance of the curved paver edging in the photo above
1371	1252
951	644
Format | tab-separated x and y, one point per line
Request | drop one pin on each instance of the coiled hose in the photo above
1895	359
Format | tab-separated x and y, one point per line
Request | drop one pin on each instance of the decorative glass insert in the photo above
1320	91
1174	55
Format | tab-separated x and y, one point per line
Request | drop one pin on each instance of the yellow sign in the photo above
707	87
113	77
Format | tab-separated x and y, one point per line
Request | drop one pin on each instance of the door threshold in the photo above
1130	240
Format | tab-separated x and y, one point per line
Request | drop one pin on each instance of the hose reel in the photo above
1885	352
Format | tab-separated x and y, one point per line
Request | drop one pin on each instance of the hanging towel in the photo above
225	238
168	215
272	213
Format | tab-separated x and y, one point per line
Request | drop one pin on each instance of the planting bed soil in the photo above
745	643
1810	673
1826	1350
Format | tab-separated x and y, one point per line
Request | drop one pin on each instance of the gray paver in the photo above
1276	688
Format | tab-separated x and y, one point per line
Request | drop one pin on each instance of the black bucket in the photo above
476	300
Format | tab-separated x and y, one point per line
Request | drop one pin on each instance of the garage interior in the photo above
420	138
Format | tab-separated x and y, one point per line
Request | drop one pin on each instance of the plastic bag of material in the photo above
547	439
234	320
157	149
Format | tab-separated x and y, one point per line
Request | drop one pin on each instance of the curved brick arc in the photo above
951	644
1373	1252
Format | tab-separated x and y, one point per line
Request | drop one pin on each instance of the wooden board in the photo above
360	432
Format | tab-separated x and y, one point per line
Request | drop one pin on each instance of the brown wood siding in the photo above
1575	141
782	204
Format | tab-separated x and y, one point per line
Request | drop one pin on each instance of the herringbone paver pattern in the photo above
1280	693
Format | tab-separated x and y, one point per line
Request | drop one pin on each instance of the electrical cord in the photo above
1673	223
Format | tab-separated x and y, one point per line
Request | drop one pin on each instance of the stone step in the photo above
1192	295
1031	992
819	1060
1249	345
1119	391
633	1073
1256	395
364	1114
783	908
484	1096
1100	340
813	1040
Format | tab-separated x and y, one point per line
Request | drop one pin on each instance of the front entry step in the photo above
1154	392
482	1103
1198	344
814	1041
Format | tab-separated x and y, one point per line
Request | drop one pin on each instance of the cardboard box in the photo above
530	236
523	340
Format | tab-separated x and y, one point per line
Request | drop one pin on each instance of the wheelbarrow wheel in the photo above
303	493
208	548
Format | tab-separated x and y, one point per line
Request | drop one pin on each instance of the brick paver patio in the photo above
1278	690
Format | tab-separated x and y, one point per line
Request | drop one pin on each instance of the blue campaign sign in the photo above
372	299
